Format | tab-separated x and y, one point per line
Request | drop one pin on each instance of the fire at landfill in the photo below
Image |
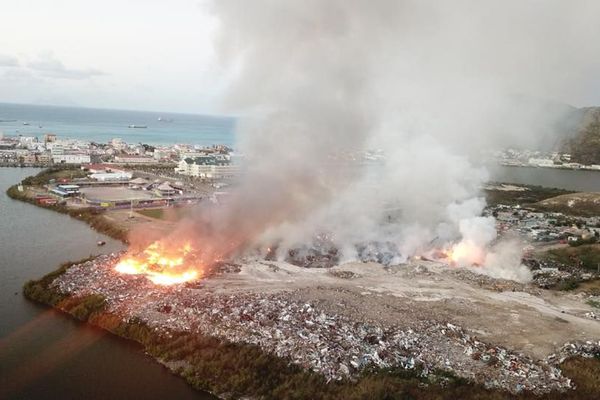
162	265
332	320
168	264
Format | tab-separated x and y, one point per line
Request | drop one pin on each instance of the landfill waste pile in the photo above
336	346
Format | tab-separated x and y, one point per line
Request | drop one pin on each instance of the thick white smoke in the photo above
430	84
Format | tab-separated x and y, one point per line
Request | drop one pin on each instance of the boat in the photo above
25	123
137	126
161	119
101	243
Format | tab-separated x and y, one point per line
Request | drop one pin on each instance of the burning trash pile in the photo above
163	265
331	344
322	252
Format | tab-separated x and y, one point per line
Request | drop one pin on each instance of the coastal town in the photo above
53	150
540	159
118	175
208	161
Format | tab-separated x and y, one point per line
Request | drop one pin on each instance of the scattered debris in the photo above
334	345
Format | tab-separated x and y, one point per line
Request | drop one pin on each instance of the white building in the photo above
111	176
160	154
134	159
27	141
118	143
541	162
192	167
76	158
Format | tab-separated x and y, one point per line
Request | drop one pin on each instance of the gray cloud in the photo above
49	66
8	61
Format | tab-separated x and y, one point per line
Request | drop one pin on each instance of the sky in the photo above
134	54
151	55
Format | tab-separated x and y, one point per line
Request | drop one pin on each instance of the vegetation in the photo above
86	306
585	147
40	291
577	204
56	173
532	195
584	373
171	214
594	303
567	284
580	241
591	287
586	256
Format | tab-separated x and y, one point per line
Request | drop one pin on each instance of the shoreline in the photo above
92	217
582	168
209	368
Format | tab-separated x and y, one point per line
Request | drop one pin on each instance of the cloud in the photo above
8	61
49	66
19	74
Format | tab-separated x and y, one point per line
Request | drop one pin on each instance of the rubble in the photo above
592	315
333	345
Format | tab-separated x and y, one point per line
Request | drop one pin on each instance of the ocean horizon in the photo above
102	125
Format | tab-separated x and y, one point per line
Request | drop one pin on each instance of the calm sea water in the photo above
45	354
103	125
579	181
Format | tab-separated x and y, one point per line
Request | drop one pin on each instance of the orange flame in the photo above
466	253
161	265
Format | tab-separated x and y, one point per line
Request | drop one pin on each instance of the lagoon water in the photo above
45	354
102	125
578	181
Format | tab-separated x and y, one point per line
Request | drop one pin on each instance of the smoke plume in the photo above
419	87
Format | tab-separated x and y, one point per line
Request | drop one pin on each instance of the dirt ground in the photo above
134	221
529	320
118	193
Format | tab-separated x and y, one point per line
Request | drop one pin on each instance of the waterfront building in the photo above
74	158
134	159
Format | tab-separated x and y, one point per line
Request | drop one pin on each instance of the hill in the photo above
579	204
585	145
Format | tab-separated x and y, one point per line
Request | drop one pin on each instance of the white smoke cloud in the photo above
431	84
504	261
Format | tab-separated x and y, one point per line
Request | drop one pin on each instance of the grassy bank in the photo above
171	214
235	370
586	256
56	173
93	217
577	204
533	194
